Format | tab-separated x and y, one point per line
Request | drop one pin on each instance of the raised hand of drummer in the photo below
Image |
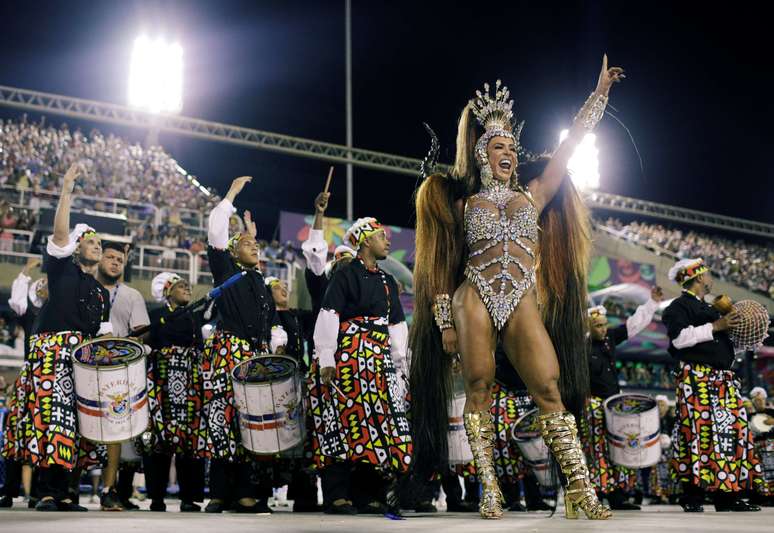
249	224
321	202
236	187
657	294
32	264
729	321
72	174
327	373
449	341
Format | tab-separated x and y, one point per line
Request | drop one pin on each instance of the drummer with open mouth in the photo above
712	446
78	308
609	479
248	325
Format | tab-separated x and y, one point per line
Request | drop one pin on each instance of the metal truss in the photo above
297	146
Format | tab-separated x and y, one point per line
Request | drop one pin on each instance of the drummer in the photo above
248	326
298	325
174	394
609	479
127	314
27	298
763	436
707	397
78	308
315	249
361	431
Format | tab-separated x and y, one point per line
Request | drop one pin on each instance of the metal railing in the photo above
626	236
147	261
135	212
15	240
153	260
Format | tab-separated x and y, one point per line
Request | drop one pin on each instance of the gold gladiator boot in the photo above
481	436
561	435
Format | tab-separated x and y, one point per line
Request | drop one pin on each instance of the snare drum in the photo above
459	448
633	430
267	396
536	454
110	389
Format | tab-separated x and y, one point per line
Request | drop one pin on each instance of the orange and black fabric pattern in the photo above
369	422
712	444
605	475
218	436
175	398
48	424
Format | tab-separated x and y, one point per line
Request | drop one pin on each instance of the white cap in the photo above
161	283
598	310
758	391
662	398
681	265
356	231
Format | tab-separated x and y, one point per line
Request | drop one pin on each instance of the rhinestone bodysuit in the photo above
501	231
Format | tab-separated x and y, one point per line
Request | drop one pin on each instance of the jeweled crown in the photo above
493	113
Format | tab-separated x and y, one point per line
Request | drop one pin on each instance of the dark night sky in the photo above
698	99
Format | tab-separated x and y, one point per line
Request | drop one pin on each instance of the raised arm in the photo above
61	236
217	230
545	187
314	248
20	287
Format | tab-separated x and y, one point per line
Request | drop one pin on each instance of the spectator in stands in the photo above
742	263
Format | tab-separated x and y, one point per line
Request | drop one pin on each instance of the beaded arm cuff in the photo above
443	312
592	111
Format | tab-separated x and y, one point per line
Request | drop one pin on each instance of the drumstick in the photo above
332	384
328	181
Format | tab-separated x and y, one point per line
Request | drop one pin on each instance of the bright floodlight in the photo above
156	75
584	163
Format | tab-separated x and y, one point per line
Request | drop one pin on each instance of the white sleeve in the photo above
326	337
398	346
105	328
315	251
279	337
19	289
693	335
60	252
217	229
641	318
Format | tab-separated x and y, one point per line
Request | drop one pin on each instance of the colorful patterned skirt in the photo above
369	423
12	436
764	450
218	436
507	408
712	445
47	423
175	398
606	476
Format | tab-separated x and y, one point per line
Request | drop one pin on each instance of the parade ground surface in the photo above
661	519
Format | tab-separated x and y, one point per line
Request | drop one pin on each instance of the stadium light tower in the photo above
156	75
584	163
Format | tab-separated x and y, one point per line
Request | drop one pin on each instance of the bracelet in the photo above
443	312
592	111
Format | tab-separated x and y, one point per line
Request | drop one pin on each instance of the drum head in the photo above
108	351
265	369
526	427
630	404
